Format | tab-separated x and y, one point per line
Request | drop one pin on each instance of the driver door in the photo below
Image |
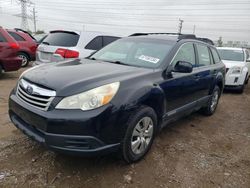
181	89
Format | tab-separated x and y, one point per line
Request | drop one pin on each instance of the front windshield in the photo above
231	55
139	52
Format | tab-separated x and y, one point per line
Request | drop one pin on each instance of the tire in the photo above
25	59
1	70
211	106
247	79
141	129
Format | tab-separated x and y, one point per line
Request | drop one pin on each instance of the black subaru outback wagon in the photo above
120	97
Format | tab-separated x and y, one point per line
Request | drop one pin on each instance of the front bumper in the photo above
72	132
235	80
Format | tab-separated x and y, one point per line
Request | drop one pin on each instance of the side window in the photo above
107	40
185	53
203	55
215	55
16	36
94	44
2	39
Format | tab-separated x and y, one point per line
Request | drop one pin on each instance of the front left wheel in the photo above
139	136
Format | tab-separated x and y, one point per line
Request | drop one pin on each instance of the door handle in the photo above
197	76
214	71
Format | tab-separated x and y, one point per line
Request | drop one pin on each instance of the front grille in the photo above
38	97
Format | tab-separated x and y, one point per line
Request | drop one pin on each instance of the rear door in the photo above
55	40
206	70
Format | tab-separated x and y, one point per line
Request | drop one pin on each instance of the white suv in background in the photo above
237	63
62	45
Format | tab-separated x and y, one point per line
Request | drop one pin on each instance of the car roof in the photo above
85	32
158	36
175	37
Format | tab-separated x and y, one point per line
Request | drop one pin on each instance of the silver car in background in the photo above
62	45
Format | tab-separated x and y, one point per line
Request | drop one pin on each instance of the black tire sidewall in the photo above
127	152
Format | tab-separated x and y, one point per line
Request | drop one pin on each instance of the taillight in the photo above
67	53
14	45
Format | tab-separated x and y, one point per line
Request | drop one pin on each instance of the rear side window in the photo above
203	55
65	39
215	55
107	40
16	36
2	39
185	53
95	44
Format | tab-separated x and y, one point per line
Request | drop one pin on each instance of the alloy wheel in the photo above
142	135
214	101
24	59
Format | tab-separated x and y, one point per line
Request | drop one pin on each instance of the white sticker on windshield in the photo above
149	59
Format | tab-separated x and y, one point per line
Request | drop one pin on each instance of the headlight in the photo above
91	99
236	70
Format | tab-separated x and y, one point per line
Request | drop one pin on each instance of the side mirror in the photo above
183	67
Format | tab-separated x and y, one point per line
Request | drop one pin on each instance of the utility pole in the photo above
24	15
194	29
180	25
34	18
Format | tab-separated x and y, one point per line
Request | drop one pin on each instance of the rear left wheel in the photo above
211	106
139	134
25	59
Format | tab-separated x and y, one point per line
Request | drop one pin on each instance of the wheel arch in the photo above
24	52
156	100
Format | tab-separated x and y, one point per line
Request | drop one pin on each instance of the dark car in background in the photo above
120	97
27	43
8	52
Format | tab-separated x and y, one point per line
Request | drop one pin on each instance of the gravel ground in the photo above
196	151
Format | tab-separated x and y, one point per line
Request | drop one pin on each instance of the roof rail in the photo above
206	40
180	36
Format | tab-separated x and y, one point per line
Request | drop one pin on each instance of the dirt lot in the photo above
196	151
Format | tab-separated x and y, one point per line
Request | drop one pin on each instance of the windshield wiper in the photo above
45	43
91	58
118	62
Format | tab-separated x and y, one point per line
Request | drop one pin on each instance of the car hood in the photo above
230	64
72	77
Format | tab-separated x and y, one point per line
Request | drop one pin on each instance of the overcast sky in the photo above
212	18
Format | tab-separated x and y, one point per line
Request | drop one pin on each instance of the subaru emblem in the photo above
29	90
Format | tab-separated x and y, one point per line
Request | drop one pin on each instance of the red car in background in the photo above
27	43
9	48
